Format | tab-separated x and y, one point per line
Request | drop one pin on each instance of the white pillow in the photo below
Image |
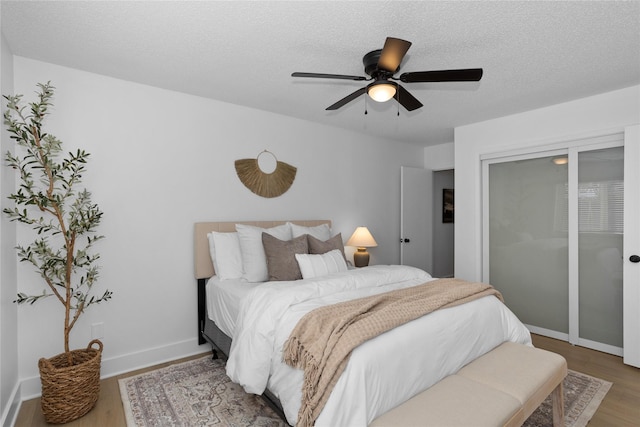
212	250
225	254
320	265
254	260
320	232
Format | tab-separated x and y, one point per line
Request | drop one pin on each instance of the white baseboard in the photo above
605	348
11	412
548	333
30	388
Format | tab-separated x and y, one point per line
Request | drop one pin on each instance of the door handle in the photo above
634	258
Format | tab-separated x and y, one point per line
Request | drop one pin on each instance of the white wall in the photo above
162	160
588	116
8	289
439	157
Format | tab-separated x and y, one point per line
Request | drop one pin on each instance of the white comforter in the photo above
381	373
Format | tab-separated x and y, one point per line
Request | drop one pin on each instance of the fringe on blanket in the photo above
297	356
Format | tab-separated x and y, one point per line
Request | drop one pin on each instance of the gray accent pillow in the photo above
318	247
281	256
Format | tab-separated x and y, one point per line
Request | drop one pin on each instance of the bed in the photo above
248	322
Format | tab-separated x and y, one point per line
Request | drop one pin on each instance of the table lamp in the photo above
361	239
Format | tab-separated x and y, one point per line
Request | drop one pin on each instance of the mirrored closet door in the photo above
552	238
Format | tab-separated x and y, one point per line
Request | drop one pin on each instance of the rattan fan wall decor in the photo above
264	184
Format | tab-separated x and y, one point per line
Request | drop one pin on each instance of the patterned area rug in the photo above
199	393
194	393
582	396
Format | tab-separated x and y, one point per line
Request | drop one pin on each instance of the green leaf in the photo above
49	200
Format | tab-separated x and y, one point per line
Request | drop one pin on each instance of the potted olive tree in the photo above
64	221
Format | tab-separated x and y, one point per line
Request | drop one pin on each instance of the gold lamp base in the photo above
361	257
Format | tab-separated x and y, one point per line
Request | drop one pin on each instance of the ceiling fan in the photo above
382	64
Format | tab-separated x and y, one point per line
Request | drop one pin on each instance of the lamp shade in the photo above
362	238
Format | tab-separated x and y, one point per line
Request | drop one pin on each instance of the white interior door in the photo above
416	217
631	247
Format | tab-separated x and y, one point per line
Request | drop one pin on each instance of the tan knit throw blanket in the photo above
324	338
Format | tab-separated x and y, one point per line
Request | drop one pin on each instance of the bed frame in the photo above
208	331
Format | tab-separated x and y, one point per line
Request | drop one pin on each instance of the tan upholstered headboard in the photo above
203	264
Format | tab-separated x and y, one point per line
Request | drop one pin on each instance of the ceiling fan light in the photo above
382	91
562	160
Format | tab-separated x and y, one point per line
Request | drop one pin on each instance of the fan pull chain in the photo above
398	100
365	104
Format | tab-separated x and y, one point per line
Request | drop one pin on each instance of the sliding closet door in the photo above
600	232
528	240
554	234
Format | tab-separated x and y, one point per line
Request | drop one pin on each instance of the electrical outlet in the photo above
97	331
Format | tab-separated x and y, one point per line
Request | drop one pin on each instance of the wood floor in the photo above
621	405
620	408
108	411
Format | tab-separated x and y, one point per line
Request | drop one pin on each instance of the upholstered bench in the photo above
501	388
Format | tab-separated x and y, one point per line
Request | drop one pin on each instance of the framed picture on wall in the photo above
447	205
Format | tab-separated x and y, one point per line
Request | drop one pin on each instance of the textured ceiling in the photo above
534	53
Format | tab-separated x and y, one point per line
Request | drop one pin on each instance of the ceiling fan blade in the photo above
407	100
465	75
392	54
347	99
328	76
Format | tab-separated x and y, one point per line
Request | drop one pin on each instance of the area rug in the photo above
582	396
194	393
199	393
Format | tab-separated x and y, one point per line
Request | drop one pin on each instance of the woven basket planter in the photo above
69	392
